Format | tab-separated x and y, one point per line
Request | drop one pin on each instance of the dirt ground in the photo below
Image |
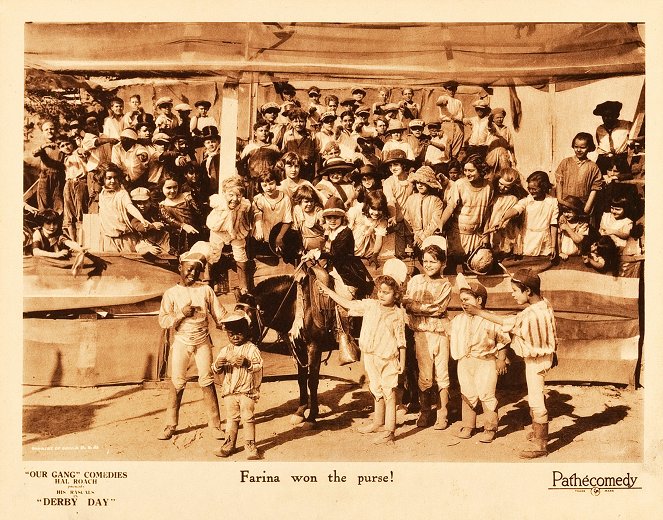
120	423
589	423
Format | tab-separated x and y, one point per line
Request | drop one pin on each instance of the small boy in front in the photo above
534	338
241	366
479	347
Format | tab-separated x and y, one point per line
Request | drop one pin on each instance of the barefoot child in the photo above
186	308
478	345
241	366
426	301
534	338
382	343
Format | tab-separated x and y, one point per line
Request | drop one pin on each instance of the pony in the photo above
272	304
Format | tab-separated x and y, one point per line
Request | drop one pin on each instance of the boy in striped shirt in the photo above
534	338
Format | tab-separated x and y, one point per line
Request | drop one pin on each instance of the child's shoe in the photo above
487	436
384	438
465	432
252	451
167	433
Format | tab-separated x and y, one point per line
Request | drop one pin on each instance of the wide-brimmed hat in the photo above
165	100
426	175
396	155
608	107
203	103
334	207
395	126
573	203
336	165
210	132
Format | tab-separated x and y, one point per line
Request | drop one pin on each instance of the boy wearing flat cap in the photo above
202	118
165	121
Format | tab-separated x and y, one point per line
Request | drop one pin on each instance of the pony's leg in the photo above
314	360
302	381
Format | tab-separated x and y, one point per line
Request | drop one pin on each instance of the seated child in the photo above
307	218
154	238
48	240
382	343
615	223
479	347
186	308
573	227
240	364
288	168
368	222
271	210
603	256
506	240
335	183
229	223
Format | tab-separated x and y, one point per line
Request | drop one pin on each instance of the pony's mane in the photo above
272	284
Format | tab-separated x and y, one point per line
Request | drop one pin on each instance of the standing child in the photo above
335	182
577	175
258	156
534	338
541	213
76	196
289	168
185	308
115	210
229	223
426	300
573	227
181	214
299	140
241	366
397	189
382	343
479	347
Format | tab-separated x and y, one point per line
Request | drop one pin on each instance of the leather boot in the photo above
441	423
172	413
212	407
387	437
538	444
228	446
425	418
489	426
252	451
469	419
378	418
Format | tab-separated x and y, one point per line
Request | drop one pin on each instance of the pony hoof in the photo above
309	425
296	419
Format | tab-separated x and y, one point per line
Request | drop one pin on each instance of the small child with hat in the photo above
397	189
165	121
417	140
452	117
315	108
186	308
479	346
240	365
202	118
152	239
533	334
395	131
612	138
335	182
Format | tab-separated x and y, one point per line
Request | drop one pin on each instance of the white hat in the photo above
434	240
396	269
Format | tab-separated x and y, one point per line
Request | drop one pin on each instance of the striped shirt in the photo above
241	380
533	331
474	336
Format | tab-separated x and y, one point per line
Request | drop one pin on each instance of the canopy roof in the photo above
370	53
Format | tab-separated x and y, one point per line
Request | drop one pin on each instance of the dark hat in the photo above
348	102
450	85
396	155
363	109
528	278
608	107
92	120
434	124
336	164
203	103
288	88
367	170
334	207
210	132
313	90
573	203
391	107
473	286
358	90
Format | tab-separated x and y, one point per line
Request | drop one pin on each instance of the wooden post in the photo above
228	130
551	115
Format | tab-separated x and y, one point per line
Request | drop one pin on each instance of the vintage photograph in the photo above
323	241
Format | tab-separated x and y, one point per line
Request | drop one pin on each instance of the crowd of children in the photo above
331	189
